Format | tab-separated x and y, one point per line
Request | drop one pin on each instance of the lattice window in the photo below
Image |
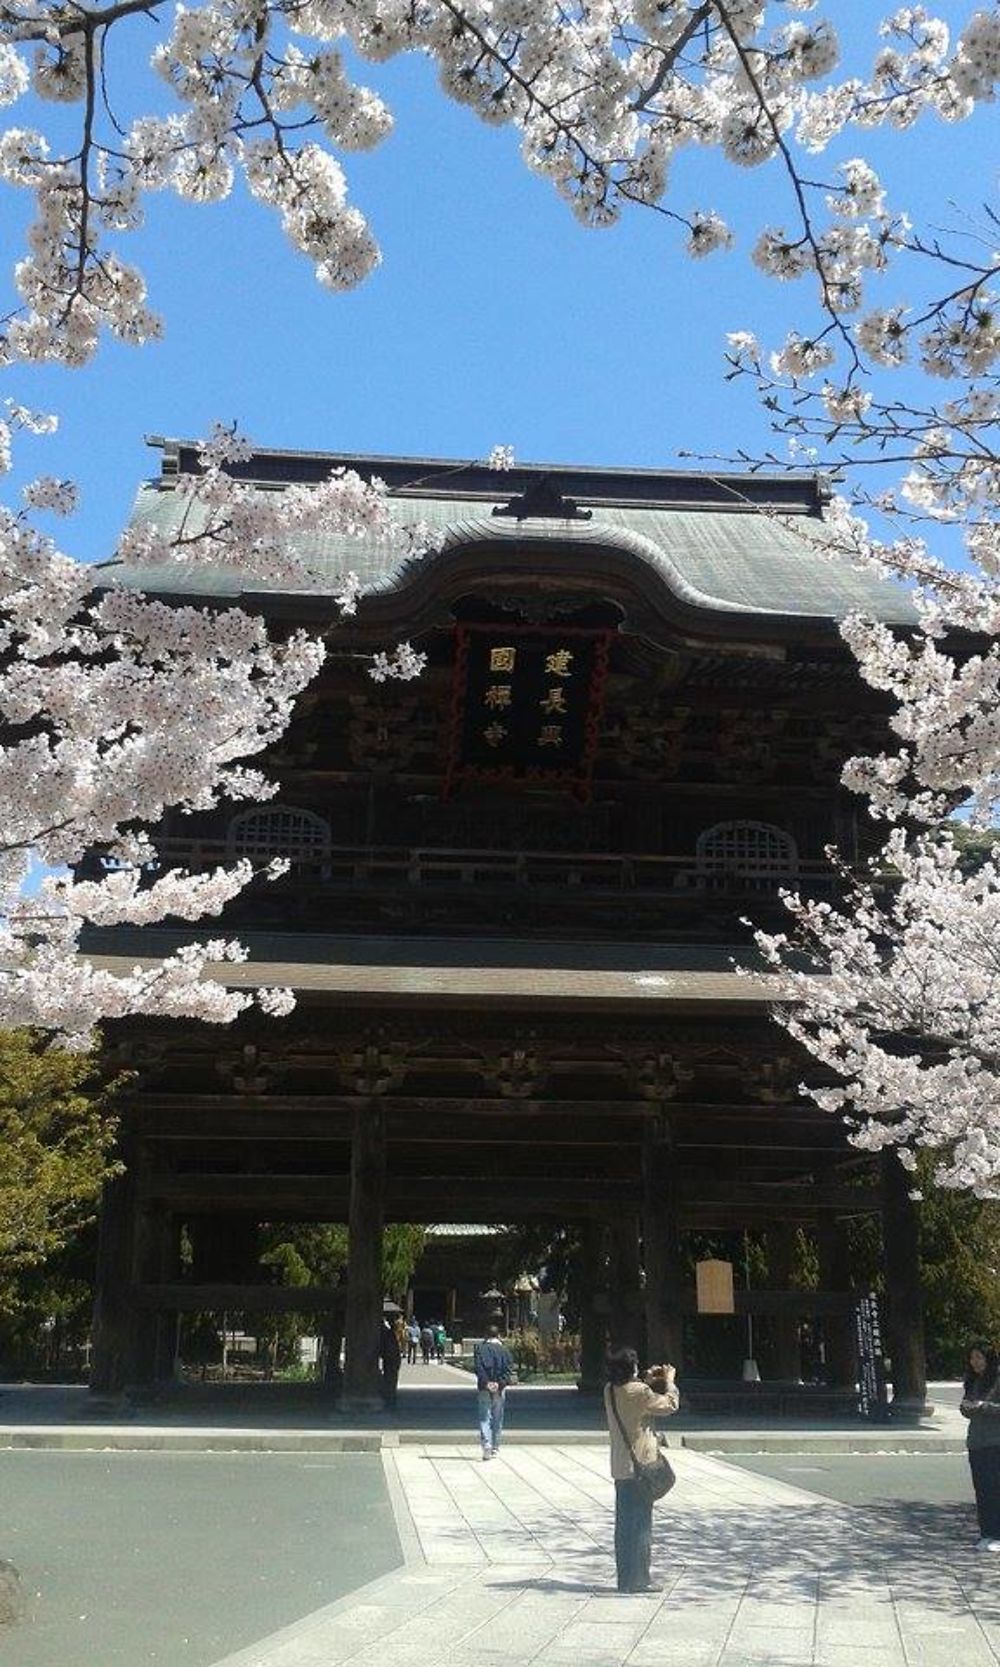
756	853
279	831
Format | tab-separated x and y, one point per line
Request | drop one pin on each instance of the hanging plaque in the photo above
526	702
714	1287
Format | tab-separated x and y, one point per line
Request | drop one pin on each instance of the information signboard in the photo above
873	1395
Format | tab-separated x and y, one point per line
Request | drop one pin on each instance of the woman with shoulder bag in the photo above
981	1406
641	1472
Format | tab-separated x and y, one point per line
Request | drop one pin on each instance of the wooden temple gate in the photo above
515	897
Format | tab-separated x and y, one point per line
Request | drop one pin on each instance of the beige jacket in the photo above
637	1406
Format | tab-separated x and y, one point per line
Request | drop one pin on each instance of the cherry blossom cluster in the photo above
271	534
115	707
902	1007
604	97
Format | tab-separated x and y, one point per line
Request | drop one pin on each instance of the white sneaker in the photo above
487	1454
991	1545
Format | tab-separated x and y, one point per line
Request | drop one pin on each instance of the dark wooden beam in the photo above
179	1114
182	1297
251	1299
426	1192
164	1113
781	1304
762	1194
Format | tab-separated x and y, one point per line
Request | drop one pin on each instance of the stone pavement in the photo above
508	1564
435	1403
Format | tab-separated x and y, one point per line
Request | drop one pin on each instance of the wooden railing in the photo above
603	873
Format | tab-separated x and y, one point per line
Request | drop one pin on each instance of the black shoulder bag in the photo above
652	1480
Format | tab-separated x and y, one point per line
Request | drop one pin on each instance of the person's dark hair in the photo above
988	1377
620	1365
493	1331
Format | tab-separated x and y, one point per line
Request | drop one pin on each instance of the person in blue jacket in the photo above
494	1371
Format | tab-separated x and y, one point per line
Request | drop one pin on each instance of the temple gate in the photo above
514	905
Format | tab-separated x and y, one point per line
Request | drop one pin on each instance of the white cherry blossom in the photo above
116	706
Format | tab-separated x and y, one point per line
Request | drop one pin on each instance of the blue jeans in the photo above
633	1536
490	1418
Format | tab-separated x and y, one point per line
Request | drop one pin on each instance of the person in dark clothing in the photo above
631	1403
389	1354
412	1342
981	1406
494	1371
426	1343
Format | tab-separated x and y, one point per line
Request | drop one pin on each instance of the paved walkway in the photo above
508	1564
435	1403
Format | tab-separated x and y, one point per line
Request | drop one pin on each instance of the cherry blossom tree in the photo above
116	706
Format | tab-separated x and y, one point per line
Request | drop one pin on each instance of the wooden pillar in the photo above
835	1275
144	1259
363	1329
661	1246
626	1321
163	1267
781	1238
110	1326
904	1307
593	1306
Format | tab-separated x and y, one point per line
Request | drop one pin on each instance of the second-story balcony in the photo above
413	888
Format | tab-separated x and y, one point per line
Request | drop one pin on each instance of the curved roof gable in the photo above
744	545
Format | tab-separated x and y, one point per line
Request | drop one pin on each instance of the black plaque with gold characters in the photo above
526	703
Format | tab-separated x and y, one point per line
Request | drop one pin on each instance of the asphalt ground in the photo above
179	1559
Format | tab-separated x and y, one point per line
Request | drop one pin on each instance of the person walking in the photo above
494	1371
426	1343
981	1406
440	1339
631	1403
412	1342
390	1358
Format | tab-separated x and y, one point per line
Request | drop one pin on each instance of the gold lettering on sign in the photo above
554	701
559	662
502	659
494	734
498	695
551	735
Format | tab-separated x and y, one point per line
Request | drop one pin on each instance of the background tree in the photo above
57	1128
46	1310
315	1253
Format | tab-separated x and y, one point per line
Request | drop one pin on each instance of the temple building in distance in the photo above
517	891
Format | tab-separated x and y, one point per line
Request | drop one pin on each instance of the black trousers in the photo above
633	1536
984	1462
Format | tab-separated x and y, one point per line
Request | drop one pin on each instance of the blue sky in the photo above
494	318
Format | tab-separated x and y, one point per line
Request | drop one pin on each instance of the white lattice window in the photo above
279	831
755	852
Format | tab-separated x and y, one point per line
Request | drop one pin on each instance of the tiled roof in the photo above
715	542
